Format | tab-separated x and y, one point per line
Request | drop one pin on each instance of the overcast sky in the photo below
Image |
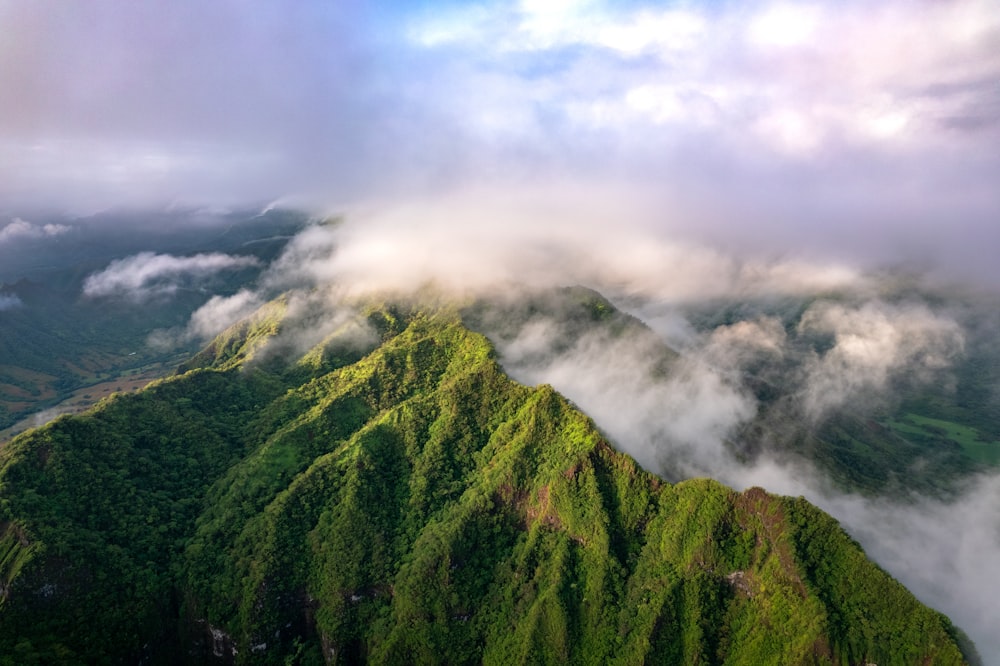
855	130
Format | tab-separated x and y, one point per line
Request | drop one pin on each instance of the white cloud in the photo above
871	344
785	25
18	228
790	131
676	425
881	122
672	30
483	241
943	551
147	274
798	77
221	312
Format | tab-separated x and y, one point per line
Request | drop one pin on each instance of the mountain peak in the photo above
415	504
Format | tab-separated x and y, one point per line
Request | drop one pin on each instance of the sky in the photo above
851	130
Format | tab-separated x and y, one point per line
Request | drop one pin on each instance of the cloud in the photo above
9	302
871	344
944	552
21	229
485	241
755	62
761	126
217	104
765	126
221	312
316	317
323	318
145	275
675	425
212	318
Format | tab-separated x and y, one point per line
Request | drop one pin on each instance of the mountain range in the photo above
388	494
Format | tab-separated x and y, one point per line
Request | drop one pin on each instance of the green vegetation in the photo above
411	506
972	441
57	341
921	433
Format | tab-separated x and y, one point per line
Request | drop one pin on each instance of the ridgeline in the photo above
407	502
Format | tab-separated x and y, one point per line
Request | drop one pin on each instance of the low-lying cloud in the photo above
9	302
147	275
221	312
944	552
872	344
684	423
823	337
483	242
18	229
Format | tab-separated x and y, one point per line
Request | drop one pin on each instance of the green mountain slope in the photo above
411	506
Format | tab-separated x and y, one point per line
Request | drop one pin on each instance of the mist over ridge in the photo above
837	339
696	361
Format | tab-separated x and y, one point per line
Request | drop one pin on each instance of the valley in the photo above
82	398
55	340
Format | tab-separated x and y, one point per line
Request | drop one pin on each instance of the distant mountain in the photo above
54	339
390	495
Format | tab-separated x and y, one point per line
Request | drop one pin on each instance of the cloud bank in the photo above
18	229
221	312
843	129
147	274
482	242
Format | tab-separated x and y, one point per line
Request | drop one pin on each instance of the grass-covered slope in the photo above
416	506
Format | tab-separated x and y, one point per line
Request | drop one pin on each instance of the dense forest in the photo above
397	498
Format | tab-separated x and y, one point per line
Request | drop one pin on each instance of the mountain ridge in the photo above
415	503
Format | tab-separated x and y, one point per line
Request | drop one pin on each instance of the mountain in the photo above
390	495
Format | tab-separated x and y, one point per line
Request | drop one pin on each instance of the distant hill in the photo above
391	496
54	340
